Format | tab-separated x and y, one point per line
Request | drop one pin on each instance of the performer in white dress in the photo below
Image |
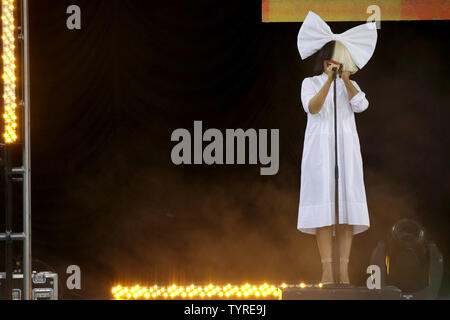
347	52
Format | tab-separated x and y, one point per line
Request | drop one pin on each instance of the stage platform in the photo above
356	293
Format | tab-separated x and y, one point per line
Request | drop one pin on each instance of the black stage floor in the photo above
355	293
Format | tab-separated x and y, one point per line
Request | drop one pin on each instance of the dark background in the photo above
105	100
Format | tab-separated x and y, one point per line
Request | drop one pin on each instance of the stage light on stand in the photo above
409	261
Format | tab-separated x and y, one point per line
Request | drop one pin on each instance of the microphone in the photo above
334	72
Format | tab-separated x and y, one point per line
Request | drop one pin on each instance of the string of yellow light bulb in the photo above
9	74
247	291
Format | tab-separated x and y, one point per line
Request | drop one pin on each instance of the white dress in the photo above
317	206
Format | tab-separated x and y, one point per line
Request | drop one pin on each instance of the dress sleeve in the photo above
308	92
359	102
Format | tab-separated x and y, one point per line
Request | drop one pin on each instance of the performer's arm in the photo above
352	91
316	103
358	101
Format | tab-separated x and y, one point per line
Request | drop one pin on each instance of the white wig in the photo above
342	55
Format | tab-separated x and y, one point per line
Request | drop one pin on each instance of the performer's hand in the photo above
345	75
328	66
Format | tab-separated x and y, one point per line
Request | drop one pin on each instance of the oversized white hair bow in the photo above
360	40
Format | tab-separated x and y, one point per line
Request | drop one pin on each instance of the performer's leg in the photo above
345	245
324	237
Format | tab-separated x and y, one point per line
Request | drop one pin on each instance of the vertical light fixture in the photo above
9	72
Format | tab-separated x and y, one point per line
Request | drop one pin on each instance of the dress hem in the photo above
357	228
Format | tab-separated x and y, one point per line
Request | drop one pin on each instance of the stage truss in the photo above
16	132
